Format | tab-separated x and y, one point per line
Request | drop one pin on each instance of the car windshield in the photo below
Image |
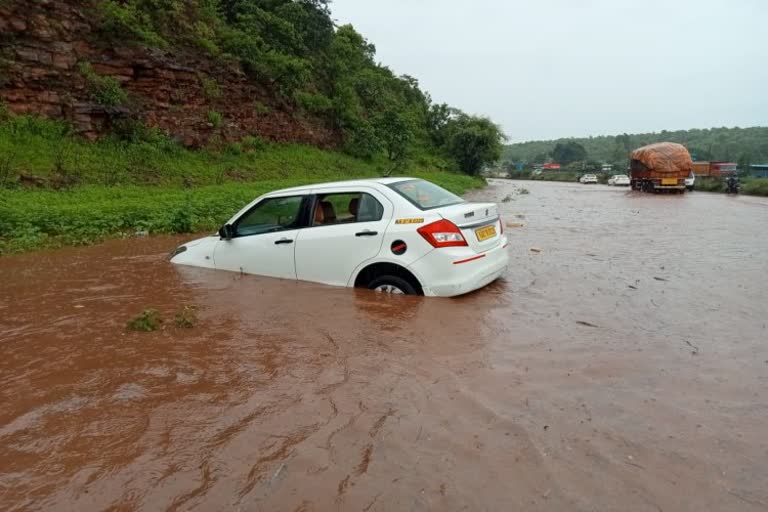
425	195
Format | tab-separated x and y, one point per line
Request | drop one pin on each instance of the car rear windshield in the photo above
425	195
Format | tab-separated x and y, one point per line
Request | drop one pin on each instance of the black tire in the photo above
399	283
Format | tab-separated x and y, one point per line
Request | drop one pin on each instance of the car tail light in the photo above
442	233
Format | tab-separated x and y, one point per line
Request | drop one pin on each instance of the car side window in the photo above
345	208
270	215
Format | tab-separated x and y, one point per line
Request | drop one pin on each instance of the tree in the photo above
474	142
744	162
569	152
395	132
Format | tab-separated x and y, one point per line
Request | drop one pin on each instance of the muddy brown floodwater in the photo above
623	367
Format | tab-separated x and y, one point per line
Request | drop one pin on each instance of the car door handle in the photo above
283	241
367	233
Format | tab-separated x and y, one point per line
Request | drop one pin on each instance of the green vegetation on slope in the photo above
293	49
743	145
92	191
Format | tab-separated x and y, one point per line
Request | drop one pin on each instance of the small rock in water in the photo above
535	249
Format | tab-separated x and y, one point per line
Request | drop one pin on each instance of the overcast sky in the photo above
554	68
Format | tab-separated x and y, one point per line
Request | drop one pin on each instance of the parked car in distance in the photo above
690	181
392	235
619	180
588	178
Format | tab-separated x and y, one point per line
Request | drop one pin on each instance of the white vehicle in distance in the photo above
619	180
392	235
690	181
588	178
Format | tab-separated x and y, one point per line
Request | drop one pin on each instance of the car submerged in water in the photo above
392	235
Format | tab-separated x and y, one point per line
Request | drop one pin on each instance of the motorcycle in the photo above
732	185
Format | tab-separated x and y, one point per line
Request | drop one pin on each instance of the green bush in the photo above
215	118
147	321
312	102
129	18
556	176
211	88
251	143
755	186
186	317
709	184
104	90
261	108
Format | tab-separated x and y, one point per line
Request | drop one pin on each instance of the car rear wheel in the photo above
393	285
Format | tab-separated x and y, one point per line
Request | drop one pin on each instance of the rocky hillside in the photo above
57	61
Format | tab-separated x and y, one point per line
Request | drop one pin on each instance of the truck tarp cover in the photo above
664	157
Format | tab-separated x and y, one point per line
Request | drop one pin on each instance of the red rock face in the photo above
42	42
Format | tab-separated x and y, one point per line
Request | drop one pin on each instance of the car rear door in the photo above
264	238
347	228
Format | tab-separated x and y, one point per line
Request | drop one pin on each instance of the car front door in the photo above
346	228
264	238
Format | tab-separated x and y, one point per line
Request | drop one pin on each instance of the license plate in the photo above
485	233
669	181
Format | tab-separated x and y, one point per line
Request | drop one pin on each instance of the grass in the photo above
749	186
115	189
755	187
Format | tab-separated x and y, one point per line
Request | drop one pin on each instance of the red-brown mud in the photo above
624	367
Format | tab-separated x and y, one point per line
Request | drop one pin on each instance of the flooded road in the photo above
622	367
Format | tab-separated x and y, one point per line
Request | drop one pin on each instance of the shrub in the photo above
119	17
186	317
215	118
251	143
211	88
147	321
709	184
234	149
104	90
312	102
135	131
261	108
204	38
755	186
7	170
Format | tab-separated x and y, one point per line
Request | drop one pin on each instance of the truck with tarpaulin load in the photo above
660	167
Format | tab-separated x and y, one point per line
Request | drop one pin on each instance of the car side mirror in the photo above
227	232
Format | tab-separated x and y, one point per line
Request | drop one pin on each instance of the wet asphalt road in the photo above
622	367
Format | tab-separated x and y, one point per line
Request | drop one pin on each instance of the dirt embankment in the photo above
42	46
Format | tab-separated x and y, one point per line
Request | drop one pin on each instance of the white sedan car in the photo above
619	180
393	235
588	178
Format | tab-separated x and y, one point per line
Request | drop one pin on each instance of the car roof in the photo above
348	183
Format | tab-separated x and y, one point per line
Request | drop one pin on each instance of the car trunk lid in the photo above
478	222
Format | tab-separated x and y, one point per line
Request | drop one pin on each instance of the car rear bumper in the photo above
455	271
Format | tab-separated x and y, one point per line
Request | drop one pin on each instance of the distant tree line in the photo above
293	49
744	146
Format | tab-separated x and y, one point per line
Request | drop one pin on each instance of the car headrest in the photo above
324	213
354	205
